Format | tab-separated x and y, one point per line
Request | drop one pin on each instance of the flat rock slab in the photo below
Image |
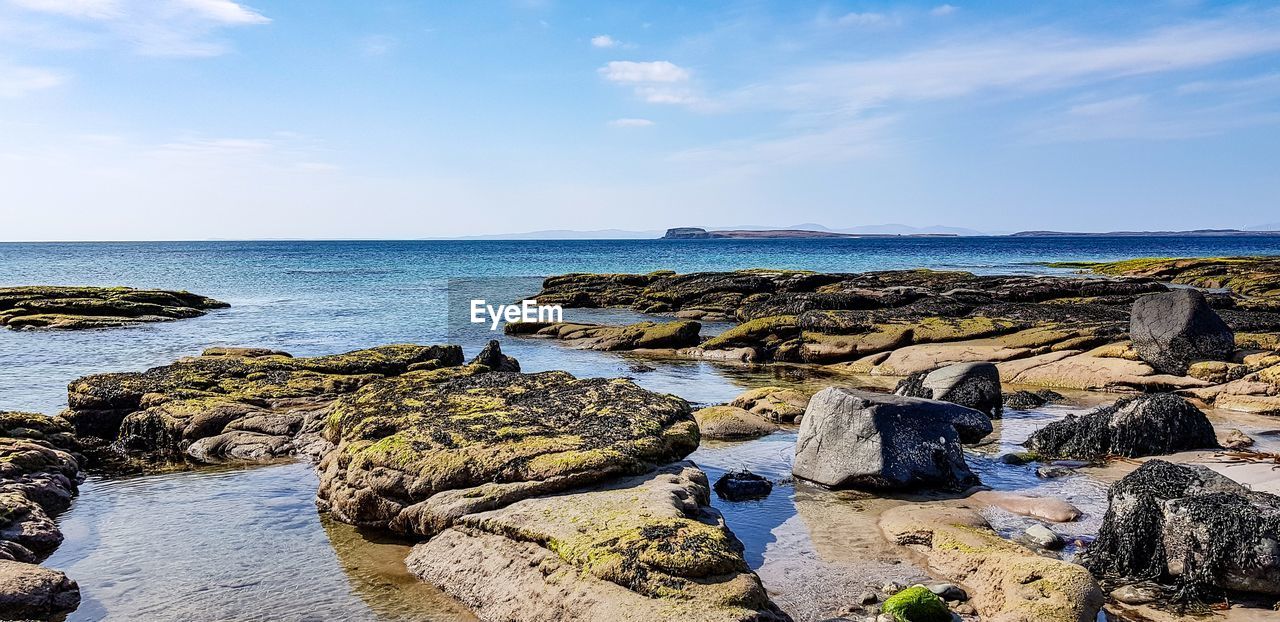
55	307
644	548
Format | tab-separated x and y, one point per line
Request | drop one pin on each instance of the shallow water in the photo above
248	544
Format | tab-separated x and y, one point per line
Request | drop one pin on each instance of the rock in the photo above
867	598
243	352
1053	472
742	486
1148	425
1043	537
1235	439
158	414
732	423
949	591
917	604
1136	594
414	452
1173	329
640	368
1045	508
1249	276
30	592
1189	528
1023	400
639	549
1017	458
642	335
975	385
491	356
1007	582
240	445
58	307
777	404
859	439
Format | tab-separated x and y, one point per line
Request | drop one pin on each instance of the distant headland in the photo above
698	233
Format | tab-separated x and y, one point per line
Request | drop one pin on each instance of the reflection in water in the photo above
375	567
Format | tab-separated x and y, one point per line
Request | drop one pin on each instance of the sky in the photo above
199	119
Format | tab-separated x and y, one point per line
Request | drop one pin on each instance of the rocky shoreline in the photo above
78	308
541	496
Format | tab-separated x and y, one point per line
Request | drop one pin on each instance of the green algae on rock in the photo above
160	413
916	604
642	335
56	307
1247	276
637	549
412	452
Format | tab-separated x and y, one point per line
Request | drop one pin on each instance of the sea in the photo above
246	543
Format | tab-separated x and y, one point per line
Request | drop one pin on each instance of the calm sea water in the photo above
247	544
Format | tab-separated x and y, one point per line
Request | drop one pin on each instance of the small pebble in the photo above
891	588
1050	472
1135	594
868	597
949	591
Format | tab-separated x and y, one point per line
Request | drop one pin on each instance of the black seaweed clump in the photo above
1148	425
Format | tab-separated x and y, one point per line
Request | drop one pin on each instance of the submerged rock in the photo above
1148	425
42	306
858	439
639	549
974	385
732	423
1174	329
742	485
1026	400
1189	528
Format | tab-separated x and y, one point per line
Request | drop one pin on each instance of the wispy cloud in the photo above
640	72
148	27
378	45
869	19
604	41
630	122
17	80
943	9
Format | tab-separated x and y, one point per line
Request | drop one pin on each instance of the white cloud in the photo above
148	27
604	41
1027	62
16	81
867	19
943	9
1108	107
640	72
631	123
223	11
85	9
846	139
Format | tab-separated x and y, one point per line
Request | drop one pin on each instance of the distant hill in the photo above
568	234
698	233
1193	232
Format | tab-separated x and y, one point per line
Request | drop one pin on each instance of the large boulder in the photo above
1174	329
637	549
1189	528
416	451
975	385
858	439
1147	425
29	592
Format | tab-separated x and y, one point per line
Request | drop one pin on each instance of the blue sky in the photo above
193	119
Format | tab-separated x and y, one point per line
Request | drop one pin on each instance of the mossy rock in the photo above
403	440
96	307
917	604
758	332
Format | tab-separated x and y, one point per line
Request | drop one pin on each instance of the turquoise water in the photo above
248	544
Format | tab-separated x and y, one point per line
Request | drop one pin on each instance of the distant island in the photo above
1193	232
698	233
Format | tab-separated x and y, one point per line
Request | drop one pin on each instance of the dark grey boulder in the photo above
975	385
1026	400
859	439
1147	425
1172	330
1189	528
742	486
31	592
